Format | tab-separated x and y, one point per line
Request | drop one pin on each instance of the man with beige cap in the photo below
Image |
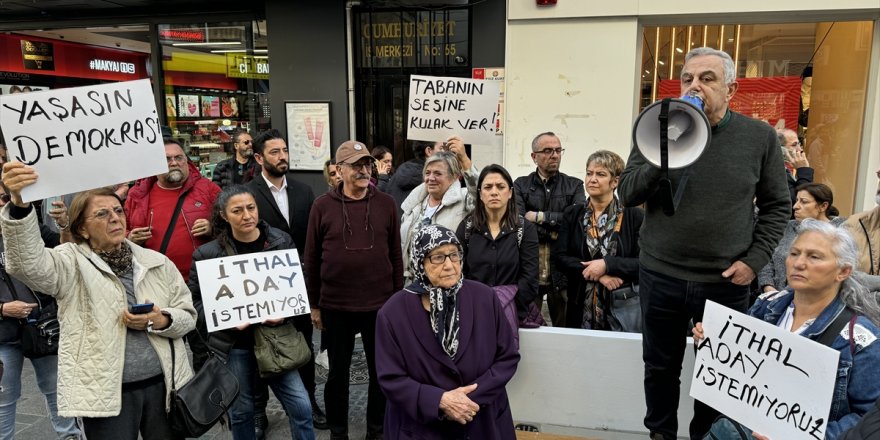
352	266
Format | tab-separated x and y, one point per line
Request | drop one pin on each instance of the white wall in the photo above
587	383
572	68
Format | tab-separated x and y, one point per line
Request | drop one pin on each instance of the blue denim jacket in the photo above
858	375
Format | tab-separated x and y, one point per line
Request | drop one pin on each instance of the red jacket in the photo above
199	194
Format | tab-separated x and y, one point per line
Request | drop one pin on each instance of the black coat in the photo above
406	177
9	327
571	249
299	201
223	174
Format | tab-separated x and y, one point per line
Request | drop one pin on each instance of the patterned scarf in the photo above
118	260
444	307
598	235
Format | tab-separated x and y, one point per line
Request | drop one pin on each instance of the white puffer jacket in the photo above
90	304
457	203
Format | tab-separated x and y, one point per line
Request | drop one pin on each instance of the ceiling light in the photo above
678	49
229	51
661	63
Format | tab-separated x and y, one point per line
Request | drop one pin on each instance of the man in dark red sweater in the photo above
352	266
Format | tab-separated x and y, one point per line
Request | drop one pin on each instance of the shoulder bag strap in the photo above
170	231
843	318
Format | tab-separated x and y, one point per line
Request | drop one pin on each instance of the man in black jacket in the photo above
285	203
242	167
541	197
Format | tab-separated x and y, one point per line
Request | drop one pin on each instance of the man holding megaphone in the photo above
702	242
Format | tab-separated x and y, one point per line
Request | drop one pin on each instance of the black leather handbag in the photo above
203	401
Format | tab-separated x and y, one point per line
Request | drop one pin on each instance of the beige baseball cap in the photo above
351	151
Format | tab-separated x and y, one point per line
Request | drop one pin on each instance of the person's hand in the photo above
383	168
242	326
532	216
455	145
739	273
758	436
610	282
272	322
458	406
316	319
593	270
799	159
59	214
201	227
140	322
16	176
140	235
769	288
698	333
17	309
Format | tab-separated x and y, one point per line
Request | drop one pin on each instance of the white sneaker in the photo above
322	360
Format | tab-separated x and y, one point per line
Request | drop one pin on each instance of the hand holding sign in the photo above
455	145
17	176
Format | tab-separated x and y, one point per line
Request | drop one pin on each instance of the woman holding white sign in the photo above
823	297
238	230
118	305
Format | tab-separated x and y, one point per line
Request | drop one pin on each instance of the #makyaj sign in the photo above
440	107
84	137
252	288
773	381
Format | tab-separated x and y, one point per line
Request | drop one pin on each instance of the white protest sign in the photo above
440	107
771	380
84	137
252	288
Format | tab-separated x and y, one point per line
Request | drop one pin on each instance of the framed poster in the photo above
308	134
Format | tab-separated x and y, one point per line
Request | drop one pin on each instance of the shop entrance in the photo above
391	45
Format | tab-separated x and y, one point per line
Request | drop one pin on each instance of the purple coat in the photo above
414	371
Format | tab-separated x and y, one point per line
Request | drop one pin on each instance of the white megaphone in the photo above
670	134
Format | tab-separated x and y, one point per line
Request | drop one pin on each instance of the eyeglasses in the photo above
178	158
104	214
359	165
795	144
549	151
454	257
247	142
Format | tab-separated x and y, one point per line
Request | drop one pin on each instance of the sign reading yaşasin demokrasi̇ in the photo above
773	381
440	107
252	288
82	138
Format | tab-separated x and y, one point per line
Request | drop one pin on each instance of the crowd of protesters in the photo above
434	265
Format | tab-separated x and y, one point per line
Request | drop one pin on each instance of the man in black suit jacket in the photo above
285	203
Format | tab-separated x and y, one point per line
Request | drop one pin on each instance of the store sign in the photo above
81	138
246	66
391	39
112	66
37	55
182	35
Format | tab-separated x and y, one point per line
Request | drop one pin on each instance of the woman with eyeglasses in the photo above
114	359
598	250
238	230
814	201
444	350
440	200
500	247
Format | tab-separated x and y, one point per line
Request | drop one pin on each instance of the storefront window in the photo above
808	77
216	80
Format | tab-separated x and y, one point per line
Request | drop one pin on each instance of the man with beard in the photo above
352	266
284	203
541	197
865	228
241	168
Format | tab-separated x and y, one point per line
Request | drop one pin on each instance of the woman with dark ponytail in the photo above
815	201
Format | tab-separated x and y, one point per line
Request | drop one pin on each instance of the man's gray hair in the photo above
729	68
538	137
781	133
447	157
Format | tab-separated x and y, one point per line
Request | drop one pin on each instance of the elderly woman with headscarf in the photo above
444	350
114	361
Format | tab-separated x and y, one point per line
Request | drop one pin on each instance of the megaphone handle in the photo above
664	137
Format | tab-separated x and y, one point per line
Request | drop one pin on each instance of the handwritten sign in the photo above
252	288
84	137
440	107
771	380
